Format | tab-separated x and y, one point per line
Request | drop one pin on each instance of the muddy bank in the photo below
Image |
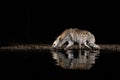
48	46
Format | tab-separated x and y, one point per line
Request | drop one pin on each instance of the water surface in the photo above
71	64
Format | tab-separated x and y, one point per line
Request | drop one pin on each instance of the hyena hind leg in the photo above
95	46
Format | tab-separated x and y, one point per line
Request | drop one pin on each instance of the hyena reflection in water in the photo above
74	35
72	59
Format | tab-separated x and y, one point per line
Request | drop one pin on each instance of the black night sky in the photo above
43	23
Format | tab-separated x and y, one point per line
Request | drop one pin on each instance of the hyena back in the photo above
73	35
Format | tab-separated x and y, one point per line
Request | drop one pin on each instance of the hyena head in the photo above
56	43
59	42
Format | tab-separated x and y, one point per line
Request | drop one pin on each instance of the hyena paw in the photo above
66	48
97	47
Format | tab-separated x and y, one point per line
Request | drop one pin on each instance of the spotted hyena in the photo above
74	35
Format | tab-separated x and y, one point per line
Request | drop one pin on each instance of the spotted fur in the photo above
74	35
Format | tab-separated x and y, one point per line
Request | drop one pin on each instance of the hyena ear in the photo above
60	39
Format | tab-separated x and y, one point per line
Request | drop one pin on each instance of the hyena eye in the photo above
54	44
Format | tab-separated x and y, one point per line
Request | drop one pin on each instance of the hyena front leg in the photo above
70	43
62	43
79	45
87	45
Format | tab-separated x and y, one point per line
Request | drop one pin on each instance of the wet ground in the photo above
59	64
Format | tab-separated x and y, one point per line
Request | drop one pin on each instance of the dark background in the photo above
42	23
